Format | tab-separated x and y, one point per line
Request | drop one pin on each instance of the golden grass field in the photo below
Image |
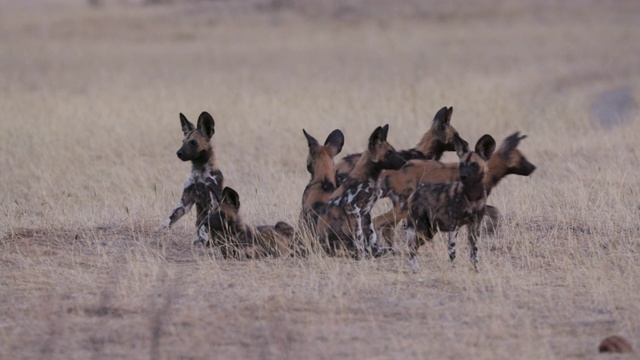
90	99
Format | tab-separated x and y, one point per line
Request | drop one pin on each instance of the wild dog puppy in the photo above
448	206
345	222
204	185
323	180
238	240
398	185
440	137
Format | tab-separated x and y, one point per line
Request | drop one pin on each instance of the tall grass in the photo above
90	126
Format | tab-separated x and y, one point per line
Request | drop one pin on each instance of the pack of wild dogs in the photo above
427	195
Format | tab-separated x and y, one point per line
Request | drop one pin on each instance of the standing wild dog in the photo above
240	241
448	206
398	185
345	222
204	185
323	180
440	137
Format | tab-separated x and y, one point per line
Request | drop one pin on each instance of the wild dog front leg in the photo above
412	243
451	247
183	207
370	236
359	240
203	234
472	229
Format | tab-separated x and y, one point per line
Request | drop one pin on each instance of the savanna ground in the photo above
90	99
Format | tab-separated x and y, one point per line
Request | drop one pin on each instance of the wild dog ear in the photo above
311	141
378	136
485	146
206	124
442	118
462	147
231	197
511	142
186	125
334	142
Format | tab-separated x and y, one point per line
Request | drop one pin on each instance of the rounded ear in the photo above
442	118
485	146
511	142
186	125
385	132
334	142
231	197
375	139
461	146
206	125
310	139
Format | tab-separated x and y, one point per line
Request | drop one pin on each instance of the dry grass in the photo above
90	101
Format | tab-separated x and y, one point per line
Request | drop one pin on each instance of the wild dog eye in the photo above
475	165
389	152
193	142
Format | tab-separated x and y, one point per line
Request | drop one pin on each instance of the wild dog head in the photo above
512	159
320	159
442	137
196	145
323	181
473	164
382	154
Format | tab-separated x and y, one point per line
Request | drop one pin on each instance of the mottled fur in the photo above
450	205
240	241
398	185
345	222
205	182
323	182
440	137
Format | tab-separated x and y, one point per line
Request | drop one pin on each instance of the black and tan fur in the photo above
323	181
450	205
440	137
205	182
398	185
345	222
240	241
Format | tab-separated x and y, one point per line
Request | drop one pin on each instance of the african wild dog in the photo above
204	185
323	180
345	222
398	185
238	240
450	205
440	137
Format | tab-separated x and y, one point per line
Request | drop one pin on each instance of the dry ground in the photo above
90	100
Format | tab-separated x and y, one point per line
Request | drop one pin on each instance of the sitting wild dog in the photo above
398	185
204	185
323	180
450	205
346	220
439	138
240	241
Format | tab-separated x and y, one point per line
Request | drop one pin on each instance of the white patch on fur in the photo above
190	180
203	234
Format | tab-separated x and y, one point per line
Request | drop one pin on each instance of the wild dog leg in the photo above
473	241
412	243
451	247
183	207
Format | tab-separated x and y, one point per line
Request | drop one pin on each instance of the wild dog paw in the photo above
165	225
413	262
200	242
382	251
